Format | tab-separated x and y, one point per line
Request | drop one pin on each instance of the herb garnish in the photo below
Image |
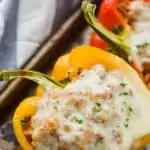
55	107
123	94
123	85
142	46
117	29
130	110
77	120
126	125
96	108
23	123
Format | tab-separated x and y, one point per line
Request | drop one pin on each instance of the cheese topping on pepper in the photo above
140	37
98	110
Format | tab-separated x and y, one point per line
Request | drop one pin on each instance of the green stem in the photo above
115	40
44	80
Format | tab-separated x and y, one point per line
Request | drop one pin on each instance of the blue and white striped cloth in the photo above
24	24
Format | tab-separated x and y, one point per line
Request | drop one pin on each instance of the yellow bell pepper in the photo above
61	67
39	91
27	108
59	72
79	57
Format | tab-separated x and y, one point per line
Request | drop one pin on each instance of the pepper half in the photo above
26	109
80	57
111	18
118	42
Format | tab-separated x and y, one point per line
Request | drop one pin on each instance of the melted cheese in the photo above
99	110
140	29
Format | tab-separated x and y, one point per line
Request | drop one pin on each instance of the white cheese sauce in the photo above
98	110
140	36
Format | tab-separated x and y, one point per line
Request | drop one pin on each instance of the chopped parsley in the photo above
142	46
77	120
117	29
129	111
96	108
55	107
123	94
127	119
123	85
24	123
126	125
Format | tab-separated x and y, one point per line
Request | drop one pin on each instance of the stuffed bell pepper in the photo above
123	27
102	103
109	16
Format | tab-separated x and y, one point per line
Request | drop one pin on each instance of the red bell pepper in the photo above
116	41
109	16
97	41
147	1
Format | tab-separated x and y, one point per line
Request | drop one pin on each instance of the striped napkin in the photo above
24	24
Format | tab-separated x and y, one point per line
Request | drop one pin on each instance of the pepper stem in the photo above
115	40
44	80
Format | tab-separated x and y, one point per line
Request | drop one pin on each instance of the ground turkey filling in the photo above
92	112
